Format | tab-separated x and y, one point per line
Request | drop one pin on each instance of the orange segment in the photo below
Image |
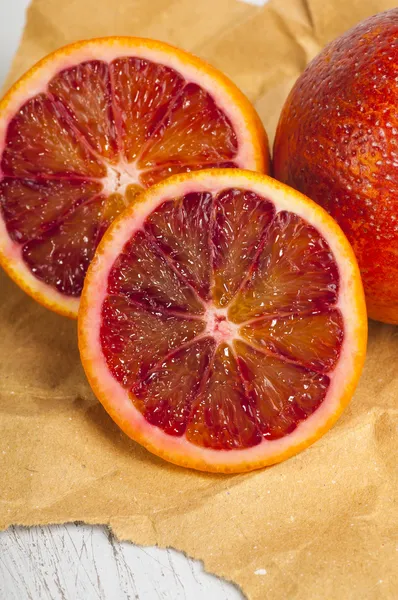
215	368
136	338
143	274
120	114
85	92
132	192
241	218
166	395
150	176
194	130
30	207
143	92
222	417
282	394
314	340
295	271
41	142
114	205
182	230
61	255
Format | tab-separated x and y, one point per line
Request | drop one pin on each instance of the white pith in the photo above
119	176
218	326
350	303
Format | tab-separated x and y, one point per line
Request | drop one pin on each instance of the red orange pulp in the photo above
222	322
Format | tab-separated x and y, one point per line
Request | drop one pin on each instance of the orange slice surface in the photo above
87	129
222	322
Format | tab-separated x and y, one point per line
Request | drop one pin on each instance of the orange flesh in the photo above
76	154
220	319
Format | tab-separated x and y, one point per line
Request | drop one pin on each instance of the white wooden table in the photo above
80	562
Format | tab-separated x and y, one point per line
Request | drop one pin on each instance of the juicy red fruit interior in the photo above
272	282
68	148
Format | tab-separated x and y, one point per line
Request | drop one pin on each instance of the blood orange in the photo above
90	126
222	322
336	141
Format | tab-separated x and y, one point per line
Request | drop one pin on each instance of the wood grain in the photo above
80	562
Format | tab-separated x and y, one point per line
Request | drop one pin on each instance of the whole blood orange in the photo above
90	126
337	142
222	322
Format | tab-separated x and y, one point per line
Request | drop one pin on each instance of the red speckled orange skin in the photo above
337	142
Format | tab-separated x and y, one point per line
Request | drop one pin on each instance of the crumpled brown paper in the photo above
321	525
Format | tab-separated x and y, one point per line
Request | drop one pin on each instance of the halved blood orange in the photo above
222	322
89	127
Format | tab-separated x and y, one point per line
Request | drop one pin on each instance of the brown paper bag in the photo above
320	525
